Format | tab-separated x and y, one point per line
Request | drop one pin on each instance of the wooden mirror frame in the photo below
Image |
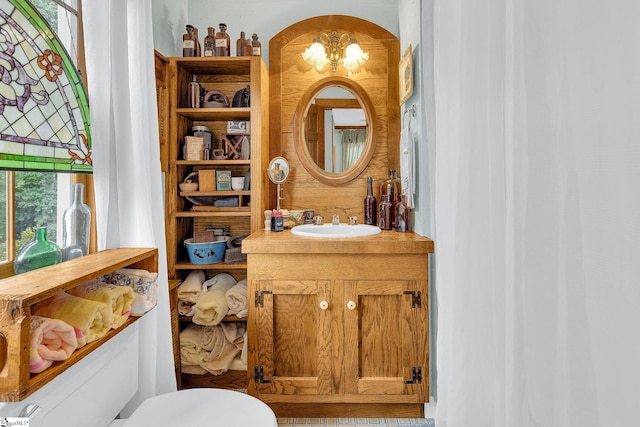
330	178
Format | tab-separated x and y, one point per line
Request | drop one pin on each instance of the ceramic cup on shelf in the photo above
237	183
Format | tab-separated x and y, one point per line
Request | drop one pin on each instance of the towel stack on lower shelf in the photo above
72	319
208	344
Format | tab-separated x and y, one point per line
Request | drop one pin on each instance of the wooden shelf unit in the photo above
19	293
226	74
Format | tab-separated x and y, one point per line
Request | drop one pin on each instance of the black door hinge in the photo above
259	300
258	375
416	376
416	298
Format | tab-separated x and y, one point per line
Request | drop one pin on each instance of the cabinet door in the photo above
294	337
383	339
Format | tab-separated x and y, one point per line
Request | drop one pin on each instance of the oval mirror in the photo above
335	130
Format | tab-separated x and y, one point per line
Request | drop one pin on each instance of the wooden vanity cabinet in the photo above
339	327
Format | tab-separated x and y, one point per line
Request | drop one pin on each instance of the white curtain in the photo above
537	212
126	156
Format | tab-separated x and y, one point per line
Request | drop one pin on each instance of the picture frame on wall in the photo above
406	75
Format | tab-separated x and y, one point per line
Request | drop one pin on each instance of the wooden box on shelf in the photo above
19	293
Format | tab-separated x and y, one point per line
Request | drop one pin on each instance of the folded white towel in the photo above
237	299
191	288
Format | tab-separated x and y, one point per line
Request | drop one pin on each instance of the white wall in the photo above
265	18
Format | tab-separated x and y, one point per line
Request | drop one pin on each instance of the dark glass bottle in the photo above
240	44
391	187
188	42
210	42
370	205
256	46
386	213
248	48
223	41
198	51
403	215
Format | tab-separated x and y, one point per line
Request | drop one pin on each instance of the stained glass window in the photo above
44	111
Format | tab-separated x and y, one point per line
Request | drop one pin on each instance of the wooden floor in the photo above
356	422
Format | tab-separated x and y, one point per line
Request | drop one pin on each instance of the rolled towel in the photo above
212	304
191	288
191	345
51	340
143	283
224	343
90	319
237	299
118	298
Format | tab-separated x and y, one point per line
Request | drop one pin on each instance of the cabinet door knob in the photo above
351	305
324	305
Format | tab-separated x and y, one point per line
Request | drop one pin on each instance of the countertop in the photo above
387	242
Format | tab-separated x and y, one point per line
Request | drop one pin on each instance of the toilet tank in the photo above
90	393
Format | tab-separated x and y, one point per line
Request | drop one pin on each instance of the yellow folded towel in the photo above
118	298
51	340
212	304
143	283
90	319
237	299
191	288
191	345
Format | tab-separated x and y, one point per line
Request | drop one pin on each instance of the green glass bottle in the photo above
38	253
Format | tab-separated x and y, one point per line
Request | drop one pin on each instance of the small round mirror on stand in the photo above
278	172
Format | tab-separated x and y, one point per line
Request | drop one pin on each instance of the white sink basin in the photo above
340	230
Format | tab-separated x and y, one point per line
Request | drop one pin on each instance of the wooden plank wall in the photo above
290	77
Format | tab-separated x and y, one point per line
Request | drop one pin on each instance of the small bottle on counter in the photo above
223	41
240	44
403	215
210	42
391	187
386	213
370	204
188	42
256	46
277	220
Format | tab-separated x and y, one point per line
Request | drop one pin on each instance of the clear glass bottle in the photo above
76	226
210	42
240	44
403	215
256	46
223	41
370	204
38	253
391	187
188	42
386	213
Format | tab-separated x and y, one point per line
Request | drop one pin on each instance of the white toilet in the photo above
201	407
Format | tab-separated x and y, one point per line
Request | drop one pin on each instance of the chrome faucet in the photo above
336	219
